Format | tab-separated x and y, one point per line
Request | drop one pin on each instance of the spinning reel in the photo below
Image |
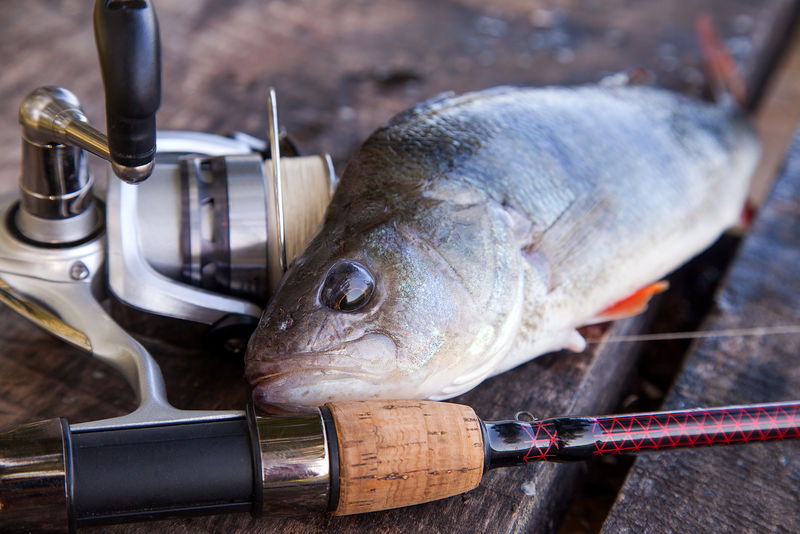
205	239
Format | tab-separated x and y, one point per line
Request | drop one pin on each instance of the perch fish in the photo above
474	233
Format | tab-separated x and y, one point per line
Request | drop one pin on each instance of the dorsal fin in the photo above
724	77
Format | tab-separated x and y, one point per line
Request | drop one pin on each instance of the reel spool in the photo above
230	239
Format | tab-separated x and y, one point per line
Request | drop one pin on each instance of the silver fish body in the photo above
474	233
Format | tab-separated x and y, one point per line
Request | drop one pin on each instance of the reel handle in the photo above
128	45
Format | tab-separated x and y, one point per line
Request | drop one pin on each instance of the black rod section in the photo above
580	438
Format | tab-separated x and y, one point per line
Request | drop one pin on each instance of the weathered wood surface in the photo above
341	69
755	487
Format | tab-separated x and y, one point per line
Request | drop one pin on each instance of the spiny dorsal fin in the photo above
724	77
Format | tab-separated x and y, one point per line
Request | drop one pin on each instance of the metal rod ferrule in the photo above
291	462
34	474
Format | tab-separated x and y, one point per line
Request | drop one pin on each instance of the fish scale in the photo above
494	224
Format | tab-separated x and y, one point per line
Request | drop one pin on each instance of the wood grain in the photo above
341	69
751	488
404	453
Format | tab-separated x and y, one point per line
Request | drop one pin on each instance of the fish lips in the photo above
355	370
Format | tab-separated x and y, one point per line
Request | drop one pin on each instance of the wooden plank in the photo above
342	69
746	488
776	120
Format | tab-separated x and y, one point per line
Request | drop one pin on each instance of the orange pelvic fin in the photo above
631	305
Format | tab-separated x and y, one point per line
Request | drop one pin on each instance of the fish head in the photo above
394	308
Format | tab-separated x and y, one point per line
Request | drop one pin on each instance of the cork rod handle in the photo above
401	453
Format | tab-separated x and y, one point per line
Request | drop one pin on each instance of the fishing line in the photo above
699	334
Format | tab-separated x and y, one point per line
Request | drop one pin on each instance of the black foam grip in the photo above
126	33
161	471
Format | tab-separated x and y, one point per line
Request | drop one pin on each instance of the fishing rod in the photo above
344	457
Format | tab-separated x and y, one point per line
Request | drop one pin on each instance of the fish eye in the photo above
348	286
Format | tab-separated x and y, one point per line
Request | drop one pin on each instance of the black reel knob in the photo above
126	33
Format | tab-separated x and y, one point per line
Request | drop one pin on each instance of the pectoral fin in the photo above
575	342
631	305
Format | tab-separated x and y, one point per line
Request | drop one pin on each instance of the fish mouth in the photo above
351	371
308	365
312	383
